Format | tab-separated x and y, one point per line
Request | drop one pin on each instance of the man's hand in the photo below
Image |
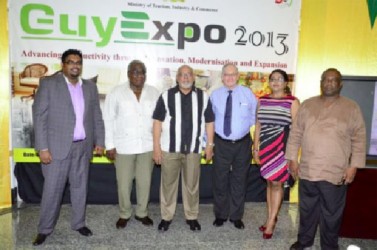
157	155
45	156
349	175
208	151
99	150
294	168
111	154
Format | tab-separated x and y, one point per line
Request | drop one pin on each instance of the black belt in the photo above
233	141
78	141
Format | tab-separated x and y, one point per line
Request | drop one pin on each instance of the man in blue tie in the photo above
234	107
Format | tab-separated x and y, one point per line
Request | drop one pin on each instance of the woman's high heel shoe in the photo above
267	236
262	228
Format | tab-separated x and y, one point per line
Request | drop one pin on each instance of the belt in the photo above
233	141
78	141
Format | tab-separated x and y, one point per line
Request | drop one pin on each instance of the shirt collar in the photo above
225	89
176	89
68	83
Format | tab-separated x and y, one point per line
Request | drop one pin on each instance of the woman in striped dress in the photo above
274	117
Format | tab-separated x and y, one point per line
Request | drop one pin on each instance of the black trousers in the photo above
322	203
231	165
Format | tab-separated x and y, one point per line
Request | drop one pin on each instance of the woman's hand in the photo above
256	156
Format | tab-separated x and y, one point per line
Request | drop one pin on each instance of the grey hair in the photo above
133	62
227	65
185	65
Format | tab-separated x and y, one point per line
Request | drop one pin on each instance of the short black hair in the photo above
331	70
71	52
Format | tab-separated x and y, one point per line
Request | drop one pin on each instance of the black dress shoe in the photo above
238	224
145	220
219	222
85	231
297	246
39	239
121	223
164	225
194	225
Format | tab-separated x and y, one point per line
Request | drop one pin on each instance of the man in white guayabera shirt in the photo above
129	141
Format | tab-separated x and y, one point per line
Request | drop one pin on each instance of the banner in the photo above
257	36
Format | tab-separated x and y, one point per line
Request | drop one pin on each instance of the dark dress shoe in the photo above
194	225
39	239
164	225
238	224
145	220
121	223
219	222
85	231
297	246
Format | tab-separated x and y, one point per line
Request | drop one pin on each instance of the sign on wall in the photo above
257	36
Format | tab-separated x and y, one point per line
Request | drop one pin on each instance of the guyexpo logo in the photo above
41	22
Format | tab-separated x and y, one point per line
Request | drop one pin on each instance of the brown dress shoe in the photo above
121	223
39	239
145	220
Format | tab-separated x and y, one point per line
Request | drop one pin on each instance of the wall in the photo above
5	177
334	33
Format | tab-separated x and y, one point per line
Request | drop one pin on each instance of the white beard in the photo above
186	85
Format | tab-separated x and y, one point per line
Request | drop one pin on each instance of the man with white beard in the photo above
181	115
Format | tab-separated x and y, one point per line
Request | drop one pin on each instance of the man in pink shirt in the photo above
68	126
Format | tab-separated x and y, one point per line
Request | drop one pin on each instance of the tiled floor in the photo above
18	228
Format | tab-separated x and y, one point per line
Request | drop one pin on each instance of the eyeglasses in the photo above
70	63
230	75
279	80
137	73
185	74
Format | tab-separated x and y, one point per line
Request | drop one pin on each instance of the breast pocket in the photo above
148	109
244	109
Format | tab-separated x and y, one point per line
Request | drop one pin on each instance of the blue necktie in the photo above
228	115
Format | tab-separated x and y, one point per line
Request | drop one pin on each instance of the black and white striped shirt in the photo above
183	119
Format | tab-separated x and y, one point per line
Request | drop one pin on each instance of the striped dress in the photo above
274	116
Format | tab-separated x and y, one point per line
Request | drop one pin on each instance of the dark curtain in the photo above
103	190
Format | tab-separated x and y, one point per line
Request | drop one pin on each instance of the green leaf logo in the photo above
372	6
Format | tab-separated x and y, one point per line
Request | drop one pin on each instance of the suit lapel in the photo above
63	89
86	93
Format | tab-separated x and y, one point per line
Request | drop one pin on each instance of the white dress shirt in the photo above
128	122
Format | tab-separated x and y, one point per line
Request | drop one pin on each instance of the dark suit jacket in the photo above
54	117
